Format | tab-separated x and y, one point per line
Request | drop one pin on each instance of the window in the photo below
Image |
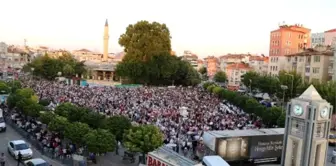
317	58
316	70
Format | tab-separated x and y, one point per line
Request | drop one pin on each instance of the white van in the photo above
2	121
214	161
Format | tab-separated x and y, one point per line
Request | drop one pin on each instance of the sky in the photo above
213	27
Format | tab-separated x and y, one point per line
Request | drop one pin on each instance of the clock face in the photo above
297	110
324	112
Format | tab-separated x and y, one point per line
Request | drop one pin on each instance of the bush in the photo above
44	102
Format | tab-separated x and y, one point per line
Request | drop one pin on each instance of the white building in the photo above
259	64
276	64
3	48
317	39
191	58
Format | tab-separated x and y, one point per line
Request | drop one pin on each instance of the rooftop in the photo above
238	66
172	157
331	30
316	51
242	133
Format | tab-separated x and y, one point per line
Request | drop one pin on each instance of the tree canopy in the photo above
160	69
144	39
48	68
99	141
220	77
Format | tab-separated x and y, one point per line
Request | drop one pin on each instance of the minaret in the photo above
106	40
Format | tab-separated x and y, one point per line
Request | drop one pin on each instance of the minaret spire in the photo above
106	23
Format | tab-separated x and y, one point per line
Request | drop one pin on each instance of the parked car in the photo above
2	122
16	146
36	162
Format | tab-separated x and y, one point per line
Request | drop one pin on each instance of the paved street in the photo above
9	135
330	149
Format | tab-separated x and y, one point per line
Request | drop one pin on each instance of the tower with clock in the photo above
307	129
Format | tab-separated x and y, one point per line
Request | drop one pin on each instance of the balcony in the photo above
330	70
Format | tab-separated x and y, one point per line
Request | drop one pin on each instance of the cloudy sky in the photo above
212	27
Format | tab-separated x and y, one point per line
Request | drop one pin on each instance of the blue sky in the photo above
212	27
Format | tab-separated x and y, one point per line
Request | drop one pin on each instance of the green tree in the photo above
46	117
292	80
327	92
44	102
272	115
118	125
33	110
144	39
94	120
99	141
58	124
14	85
203	72
251	79
268	84
281	120
64	109
220	77
143	139
76	131
4	88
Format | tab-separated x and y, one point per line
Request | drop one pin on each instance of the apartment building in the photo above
212	65
200	64
234	74
259	64
3	48
334	65
330	37
228	59
288	39
317	39
191	58
314	65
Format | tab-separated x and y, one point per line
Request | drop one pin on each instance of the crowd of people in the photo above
154	105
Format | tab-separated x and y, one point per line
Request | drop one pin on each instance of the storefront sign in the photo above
151	161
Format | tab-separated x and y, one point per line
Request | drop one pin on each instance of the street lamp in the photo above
292	78
284	88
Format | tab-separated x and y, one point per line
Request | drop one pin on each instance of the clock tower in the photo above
307	130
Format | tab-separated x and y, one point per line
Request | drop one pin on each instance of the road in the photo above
10	135
330	150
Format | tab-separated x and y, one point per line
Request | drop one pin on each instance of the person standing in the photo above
19	158
2	159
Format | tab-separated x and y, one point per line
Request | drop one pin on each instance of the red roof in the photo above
331	30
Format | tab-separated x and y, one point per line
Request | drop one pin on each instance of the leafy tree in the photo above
202	70
76	131
94	120
328	92
64	109
14	85
58	124
268	84
99	141
33	109
272	115
288	79
220	77
143	138
118	125
44	102
250	79
76	113
281	120
25	92
47	117
4	88
144	39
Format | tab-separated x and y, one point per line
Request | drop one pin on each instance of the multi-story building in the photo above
334	65
3	48
259	64
234	74
330	37
191	58
232	58
212	65
200	64
288	39
317	39
314	65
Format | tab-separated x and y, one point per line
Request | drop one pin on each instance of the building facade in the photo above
191	58
212	65
314	65
3	48
259	64
234	74
317	39
334	65
228	59
288	39
330	37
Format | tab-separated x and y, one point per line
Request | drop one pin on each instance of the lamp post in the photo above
292	78
284	88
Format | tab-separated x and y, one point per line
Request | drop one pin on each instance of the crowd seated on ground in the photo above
154	105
